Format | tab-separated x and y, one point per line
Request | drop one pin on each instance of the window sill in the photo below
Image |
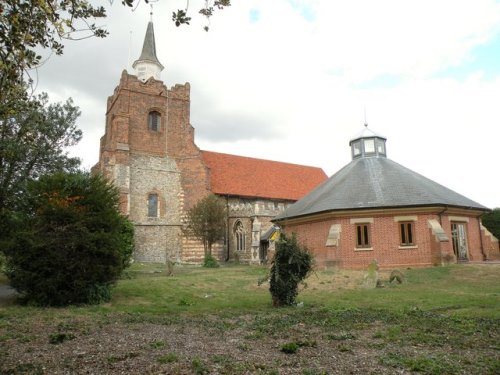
410	247
363	249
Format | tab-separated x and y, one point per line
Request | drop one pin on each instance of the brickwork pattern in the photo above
385	242
166	162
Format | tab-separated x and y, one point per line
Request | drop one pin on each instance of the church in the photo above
372	209
149	152
376	209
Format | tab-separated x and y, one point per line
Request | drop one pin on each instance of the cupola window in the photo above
356	149
380	147
369	146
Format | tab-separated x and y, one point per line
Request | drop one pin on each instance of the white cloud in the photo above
289	80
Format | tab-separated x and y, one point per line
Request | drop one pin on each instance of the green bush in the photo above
210	262
73	243
291	265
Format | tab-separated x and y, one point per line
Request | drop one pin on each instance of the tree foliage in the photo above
28	26
291	265
491	220
206	221
180	16
71	243
33	141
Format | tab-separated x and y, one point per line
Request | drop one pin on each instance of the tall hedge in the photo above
291	265
73	243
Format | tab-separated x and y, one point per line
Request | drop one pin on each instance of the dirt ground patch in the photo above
321	343
439	321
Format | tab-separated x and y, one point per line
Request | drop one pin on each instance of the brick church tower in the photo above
148	151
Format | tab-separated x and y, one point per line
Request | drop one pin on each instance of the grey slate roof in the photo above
149	47
376	182
366	133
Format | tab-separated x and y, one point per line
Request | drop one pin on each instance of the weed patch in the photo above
290	347
157	344
198	366
168	358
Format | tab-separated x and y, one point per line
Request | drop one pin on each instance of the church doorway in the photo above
459	239
264	246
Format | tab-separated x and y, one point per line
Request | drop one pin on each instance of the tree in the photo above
28	26
291	265
72	243
206	221
491	220
180	17
33	141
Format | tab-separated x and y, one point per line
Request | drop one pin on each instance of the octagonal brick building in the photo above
375	208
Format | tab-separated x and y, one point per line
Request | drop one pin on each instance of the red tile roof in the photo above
250	177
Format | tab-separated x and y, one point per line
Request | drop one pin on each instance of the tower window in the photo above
153	205
239	236
154	119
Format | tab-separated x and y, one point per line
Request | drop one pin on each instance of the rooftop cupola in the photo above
147	65
367	143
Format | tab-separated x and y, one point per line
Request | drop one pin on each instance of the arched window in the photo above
154	121
153	205
239	236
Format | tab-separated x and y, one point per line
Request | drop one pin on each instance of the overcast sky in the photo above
291	80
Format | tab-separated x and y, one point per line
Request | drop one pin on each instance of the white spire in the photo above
147	65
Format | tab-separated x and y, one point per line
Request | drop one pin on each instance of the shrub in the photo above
210	262
292	263
73	243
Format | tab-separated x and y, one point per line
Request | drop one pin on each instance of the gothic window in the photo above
153	205
154	119
239	236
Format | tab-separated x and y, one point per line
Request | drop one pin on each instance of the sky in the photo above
295	80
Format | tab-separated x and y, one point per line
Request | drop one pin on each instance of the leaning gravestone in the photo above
371	277
169	268
396	276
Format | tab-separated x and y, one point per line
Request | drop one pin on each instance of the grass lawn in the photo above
442	320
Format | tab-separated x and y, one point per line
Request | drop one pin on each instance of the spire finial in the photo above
148	65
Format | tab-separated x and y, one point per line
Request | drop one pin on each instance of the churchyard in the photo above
442	320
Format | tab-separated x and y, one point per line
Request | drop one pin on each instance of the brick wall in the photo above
385	241
141	161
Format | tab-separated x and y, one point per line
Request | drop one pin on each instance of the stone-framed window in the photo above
154	121
407	233
239	236
363	236
153	205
